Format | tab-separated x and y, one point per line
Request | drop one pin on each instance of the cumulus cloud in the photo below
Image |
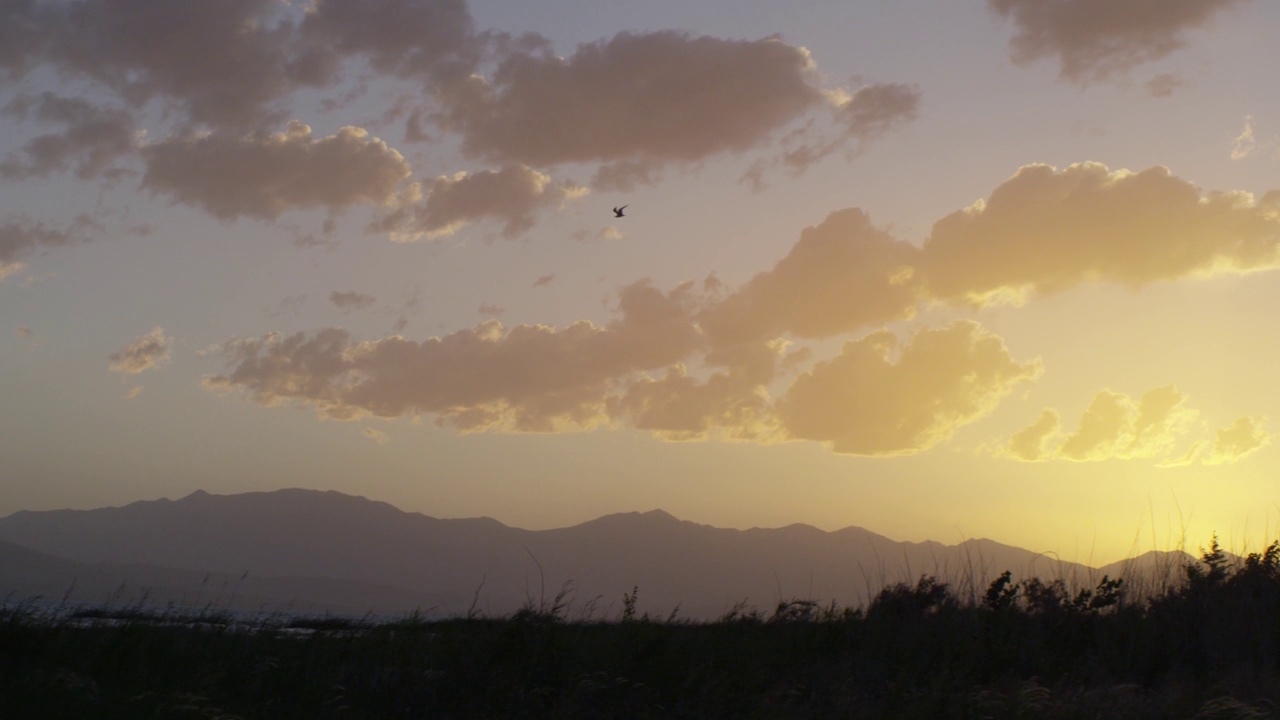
144	353
427	39
677	406
512	195
1093	40
219	76
526	378
841	275
1045	231
222	62
1115	426
637	102
265	175
877	398
234	64
92	140
1241	439
1032	443
660	95
721	351
351	300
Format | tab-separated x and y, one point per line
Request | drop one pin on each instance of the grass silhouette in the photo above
1203	644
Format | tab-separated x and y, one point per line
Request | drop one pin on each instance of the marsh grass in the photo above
1203	644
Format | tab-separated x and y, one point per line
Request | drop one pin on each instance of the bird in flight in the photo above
617	212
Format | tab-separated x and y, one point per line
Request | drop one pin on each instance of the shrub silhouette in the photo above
1206	646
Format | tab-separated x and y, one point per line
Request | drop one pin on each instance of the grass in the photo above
1204	645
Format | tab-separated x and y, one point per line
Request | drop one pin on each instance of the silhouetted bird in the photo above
617	212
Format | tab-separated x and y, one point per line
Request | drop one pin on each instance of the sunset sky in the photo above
1001	268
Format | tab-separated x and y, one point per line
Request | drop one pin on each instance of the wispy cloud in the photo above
144	353
351	300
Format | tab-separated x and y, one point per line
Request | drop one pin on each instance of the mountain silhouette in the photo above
328	551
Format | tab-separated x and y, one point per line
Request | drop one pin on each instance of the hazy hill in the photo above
304	549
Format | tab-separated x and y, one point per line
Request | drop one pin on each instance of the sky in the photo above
988	268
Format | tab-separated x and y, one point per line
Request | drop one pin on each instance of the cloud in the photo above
842	275
146	352
663	95
20	237
223	62
637	102
677	406
375	435
233	64
513	194
531	378
877	398
92	140
1244	144
1093	40
544	280
264	176
1044	231
861	118
490	310
1116	427
1241	439
23	331
1163	85
716	363
351	300
1032	443
427	39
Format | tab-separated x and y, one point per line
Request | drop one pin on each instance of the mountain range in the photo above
307	552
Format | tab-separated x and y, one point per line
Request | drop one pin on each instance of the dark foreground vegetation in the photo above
1206	645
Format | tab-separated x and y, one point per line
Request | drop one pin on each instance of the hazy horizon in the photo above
998	268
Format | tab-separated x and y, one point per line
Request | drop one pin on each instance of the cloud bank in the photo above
689	363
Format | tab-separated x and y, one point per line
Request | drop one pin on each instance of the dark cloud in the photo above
351	300
223	62
427	39
264	176
635	102
1095	39
513	195
20	237
92	140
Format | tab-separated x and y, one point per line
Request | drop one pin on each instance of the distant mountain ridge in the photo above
327	551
